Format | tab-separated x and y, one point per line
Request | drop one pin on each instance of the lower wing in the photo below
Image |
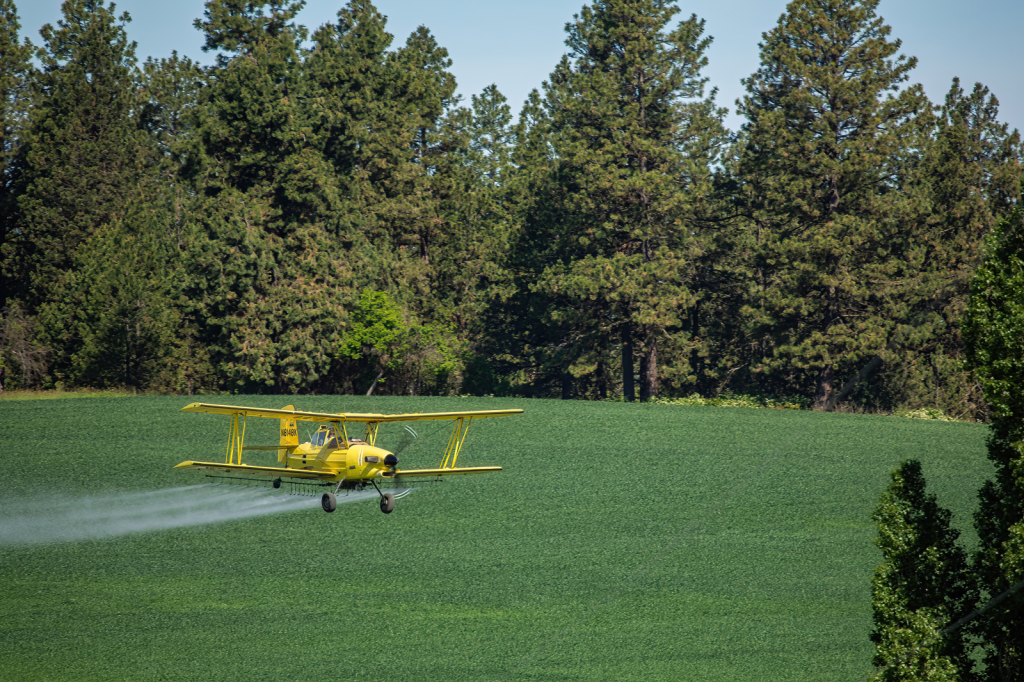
446	472
265	471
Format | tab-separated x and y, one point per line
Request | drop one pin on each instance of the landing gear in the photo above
387	500
329	502
277	482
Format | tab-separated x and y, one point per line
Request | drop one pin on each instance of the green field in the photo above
621	542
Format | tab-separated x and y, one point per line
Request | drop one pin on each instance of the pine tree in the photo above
380	116
634	142
399	144
491	144
518	332
111	319
170	91
15	69
922	586
829	127
265	282
114	318
994	336
472	196
968	178
82	150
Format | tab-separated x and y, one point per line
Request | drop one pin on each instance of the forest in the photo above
317	212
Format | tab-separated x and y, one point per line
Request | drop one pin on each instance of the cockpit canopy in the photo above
326	434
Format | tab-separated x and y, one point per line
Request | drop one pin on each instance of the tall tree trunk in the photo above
373	384
824	392
628	391
649	370
602	381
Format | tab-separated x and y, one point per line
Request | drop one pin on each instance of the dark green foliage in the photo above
621	542
615	237
14	106
994	335
614	242
113	320
968	177
83	151
922	586
236	26
22	359
265	286
829	127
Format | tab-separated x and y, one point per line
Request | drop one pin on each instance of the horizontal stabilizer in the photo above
447	472
259	471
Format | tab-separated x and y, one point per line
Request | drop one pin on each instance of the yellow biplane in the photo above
333	459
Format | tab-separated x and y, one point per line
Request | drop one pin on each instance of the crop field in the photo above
621	542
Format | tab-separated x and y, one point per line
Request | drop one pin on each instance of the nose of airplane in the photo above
391	460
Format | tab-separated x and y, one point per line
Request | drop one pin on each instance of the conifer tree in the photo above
170	92
829	129
994	335
922	586
381	117
968	178
114	318
82	149
15	69
111	319
519	333
634	143
491	136
265	280
399	144
473	200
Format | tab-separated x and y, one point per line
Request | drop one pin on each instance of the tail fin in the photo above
289	435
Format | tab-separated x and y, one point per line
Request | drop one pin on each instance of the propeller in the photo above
408	436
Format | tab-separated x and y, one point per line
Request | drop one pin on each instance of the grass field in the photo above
621	542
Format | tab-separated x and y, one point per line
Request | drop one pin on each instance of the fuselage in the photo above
358	461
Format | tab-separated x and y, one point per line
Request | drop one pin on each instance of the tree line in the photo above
321	213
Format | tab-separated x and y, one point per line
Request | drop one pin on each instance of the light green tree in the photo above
401	356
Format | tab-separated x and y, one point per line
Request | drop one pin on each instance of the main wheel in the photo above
329	502
277	482
387	503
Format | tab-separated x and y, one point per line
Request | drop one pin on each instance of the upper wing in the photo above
341	416
262	412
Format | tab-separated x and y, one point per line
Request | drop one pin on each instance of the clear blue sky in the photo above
516	45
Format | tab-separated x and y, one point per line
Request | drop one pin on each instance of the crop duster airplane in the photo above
333	459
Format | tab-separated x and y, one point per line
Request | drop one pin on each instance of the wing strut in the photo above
236	436
371	432
451	453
